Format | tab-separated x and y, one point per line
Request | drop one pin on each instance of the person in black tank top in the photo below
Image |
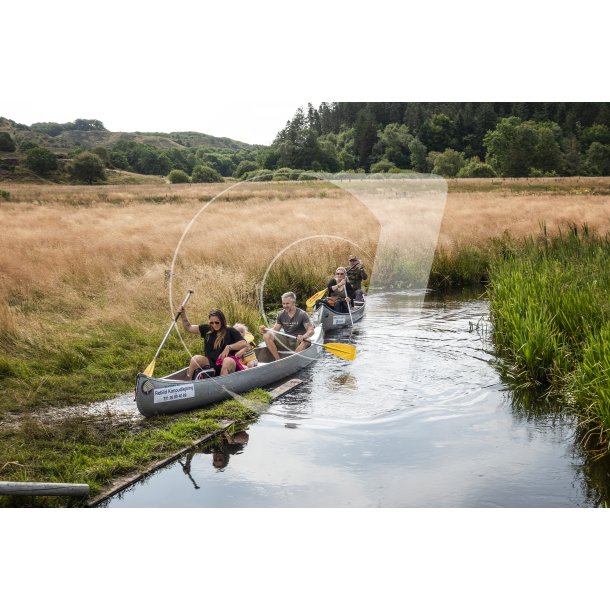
219	342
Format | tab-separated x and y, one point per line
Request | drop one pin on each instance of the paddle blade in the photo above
311	301
148	371
348	352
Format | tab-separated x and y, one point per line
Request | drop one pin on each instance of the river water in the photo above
421	418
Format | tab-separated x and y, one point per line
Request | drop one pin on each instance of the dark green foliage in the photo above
448	163
6	142
205	173
27	145
143	158
102	153
365	137
54	129
382	166
598	159
222	163
418	152
437	132
476	169
544	139
40	160
244	167
178	176
516	147
87	167
118	159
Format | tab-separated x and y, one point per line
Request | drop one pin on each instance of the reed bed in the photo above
550	308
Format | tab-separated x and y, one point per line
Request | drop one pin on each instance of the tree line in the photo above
469	139
465	139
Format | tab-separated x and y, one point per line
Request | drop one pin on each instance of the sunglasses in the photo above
215	322
339	273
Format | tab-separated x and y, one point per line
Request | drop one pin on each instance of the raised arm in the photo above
191	328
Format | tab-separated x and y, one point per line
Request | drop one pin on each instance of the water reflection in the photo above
422	417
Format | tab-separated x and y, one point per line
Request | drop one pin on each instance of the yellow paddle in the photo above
148	371
341	350
311	301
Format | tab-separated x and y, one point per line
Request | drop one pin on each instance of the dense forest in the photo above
451	139
467	139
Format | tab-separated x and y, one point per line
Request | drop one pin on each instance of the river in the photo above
421	418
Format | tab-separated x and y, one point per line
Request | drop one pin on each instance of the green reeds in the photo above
550	305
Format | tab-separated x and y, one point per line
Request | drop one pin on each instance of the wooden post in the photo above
14	488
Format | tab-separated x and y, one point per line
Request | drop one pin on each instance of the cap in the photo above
353	257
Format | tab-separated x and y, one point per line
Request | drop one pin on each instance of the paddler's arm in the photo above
264	329
308	332
191	328
232	347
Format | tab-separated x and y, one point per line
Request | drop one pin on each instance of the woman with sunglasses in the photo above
219	342
338	291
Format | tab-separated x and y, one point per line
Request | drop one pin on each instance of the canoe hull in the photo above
330	320
174	393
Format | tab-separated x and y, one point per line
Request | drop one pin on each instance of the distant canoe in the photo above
331	320
174	393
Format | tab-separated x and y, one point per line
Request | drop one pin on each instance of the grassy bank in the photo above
95	451
550	307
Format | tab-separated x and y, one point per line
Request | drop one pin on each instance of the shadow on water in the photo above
422	417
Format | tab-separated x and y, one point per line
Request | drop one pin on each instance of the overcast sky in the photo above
241	71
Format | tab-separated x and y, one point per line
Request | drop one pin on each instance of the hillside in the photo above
63	137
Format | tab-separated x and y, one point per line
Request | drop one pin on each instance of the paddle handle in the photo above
169	330
279	332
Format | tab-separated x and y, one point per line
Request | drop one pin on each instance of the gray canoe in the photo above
174	393
331	320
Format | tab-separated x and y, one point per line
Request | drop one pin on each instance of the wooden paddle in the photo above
311	301
148	371
341	350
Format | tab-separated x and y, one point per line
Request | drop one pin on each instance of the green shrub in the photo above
5	194
447	163
40	160
205	173
383	166
118	159
178	176
258	175
476	169
243	168
87	167
7	143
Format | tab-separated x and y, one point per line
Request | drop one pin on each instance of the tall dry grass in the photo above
102	254
74	256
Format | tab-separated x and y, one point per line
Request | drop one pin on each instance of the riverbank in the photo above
92	276
550	308
98	450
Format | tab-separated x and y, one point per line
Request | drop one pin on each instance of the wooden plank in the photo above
285	387
13	488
